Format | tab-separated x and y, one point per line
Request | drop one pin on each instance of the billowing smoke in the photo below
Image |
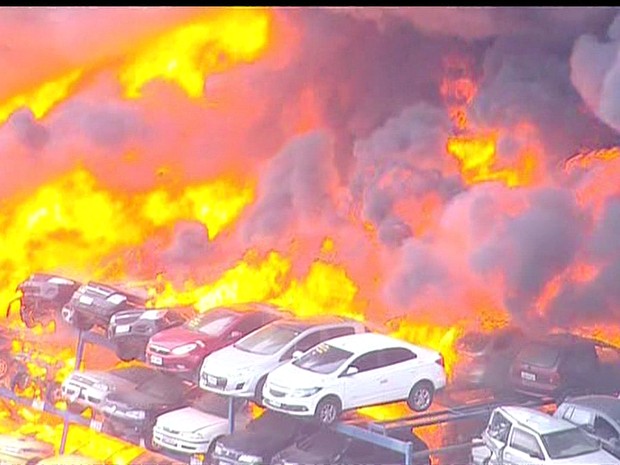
339	128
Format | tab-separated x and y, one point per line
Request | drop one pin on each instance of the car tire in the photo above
328	410
258	393
421	396
126	352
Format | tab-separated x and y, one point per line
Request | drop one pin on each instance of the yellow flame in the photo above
477	156
189	53
43	99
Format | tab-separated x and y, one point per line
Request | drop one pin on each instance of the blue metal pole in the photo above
231	415
78	362
409	454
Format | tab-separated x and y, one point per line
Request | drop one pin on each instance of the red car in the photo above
183	348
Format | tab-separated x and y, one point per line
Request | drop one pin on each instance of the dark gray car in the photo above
598	415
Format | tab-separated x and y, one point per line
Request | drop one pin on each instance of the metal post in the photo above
409	454
231	415
79	353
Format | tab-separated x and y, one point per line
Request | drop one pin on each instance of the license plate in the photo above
528	376
120	329
211	380
166	440
86	300
96	425
156	360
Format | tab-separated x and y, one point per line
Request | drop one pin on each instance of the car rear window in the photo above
473	342
541	355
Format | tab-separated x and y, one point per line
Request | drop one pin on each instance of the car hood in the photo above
599	457
189	419
178	336
293	377
130	399
230	358
92	377
257	443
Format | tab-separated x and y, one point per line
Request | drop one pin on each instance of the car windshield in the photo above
541	355
568	443
215	404
323	359
161	387
212	323
268	340
473	342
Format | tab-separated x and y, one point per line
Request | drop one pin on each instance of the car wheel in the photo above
258	393
421	396
328	410
126	352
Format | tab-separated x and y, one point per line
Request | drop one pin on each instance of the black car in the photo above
485	358
130	330
95	303
43	297
566	364
261	439
327	447
130	414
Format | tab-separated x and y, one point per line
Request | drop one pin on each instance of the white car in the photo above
241	369
16	450
192	430
524	436
355	371
90	388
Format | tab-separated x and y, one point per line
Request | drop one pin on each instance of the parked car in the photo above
93	304
241	369
485	358
23	450
598	416
193	430
90	388
326	447
566	364
263	438
130	330
520	436
355	371
43	296
131	414
183	348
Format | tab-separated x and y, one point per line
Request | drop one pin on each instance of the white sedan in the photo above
355	371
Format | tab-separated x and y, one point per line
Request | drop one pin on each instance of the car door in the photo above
397	369
604	430
522	449
496	434
364	387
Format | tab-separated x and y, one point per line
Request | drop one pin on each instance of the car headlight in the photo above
195	435
305	392
250	459
184	349
137	414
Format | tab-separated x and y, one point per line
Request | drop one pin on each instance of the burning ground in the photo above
434	170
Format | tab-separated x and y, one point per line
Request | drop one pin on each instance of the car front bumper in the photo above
238	386
174	441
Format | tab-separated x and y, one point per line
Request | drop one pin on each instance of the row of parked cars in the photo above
299	369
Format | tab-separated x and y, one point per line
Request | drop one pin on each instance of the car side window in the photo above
395	355
499	427
367	362
603	429
525	442
332	333
579	416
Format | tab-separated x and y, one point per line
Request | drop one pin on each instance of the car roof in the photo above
535	420
302	324
607	404
264	307
366	342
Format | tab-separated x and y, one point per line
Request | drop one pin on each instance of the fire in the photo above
42	99
189	53
477	158
74	223
586	159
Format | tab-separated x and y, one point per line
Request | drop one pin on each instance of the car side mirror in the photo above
350	371
297	354
235	335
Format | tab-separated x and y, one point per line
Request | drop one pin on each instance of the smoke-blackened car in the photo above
95	303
